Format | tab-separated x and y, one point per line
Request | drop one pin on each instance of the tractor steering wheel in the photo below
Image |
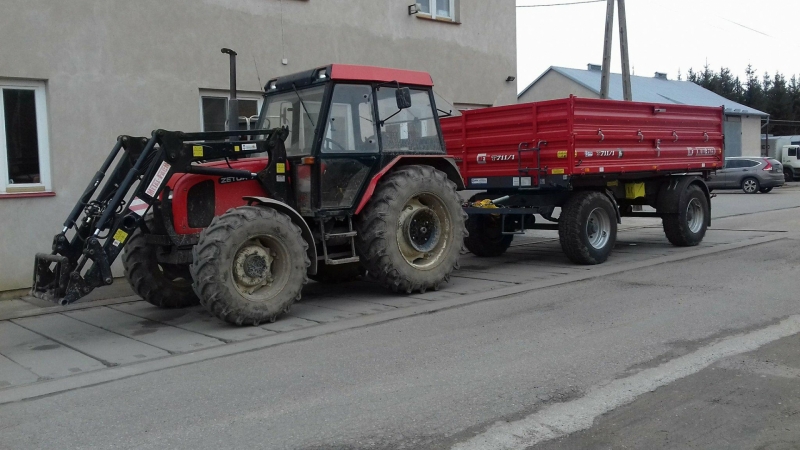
331	141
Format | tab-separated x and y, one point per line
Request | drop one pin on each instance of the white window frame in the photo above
241	95
42	135
452	17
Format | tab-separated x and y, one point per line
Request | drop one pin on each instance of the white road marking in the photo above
565	418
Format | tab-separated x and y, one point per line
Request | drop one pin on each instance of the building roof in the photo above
652	90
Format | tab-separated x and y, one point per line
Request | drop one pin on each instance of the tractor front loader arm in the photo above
97	228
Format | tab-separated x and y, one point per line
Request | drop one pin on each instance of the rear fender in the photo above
670	193
297	219
440	162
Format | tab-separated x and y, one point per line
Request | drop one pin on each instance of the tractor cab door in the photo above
413	129
348	147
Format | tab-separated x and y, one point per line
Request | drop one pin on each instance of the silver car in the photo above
749	173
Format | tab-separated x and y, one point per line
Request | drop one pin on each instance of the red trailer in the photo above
594	159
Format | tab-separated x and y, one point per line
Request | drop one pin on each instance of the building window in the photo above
439	9
214	110
24	148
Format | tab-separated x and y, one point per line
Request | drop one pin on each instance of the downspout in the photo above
766	141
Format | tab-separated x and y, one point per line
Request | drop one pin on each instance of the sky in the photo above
663	36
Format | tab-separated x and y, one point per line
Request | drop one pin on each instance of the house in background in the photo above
76	74
742	123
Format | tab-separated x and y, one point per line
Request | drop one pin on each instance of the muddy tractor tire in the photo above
411	232
688	227
587	227
250	265
335	274
162	285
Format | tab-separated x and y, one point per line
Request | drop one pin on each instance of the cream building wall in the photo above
114	67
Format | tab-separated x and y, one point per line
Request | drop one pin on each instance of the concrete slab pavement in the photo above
132	331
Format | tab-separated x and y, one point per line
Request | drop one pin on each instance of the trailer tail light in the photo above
768	167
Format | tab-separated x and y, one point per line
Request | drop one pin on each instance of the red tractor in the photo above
345	173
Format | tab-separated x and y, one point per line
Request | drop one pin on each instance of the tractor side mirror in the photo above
403	96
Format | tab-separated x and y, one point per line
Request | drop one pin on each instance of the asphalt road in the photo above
577	365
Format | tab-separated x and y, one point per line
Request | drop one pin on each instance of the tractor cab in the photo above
345	123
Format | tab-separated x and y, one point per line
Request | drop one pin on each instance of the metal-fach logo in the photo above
482	158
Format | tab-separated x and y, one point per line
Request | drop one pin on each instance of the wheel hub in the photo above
598	228
422	233
694	216
252	267
423	229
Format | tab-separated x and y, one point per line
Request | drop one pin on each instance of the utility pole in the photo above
606	74
623	44
623	48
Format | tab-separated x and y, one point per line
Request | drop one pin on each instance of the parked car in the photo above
750	174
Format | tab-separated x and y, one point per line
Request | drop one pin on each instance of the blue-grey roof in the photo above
653	90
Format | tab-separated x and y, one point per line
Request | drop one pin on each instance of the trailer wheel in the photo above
587	227
340	273
411	232
250	265
688	227
162	285
485	235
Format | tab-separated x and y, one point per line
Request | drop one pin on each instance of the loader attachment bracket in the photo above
100	223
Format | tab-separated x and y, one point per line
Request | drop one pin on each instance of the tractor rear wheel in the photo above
411	232
587	227
162	285
250	265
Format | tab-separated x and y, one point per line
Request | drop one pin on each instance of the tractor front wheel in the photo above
162	285
250	265
411	233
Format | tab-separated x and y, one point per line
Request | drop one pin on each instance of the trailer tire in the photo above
688	226
411	232
162	285
335	274
485	237
587	227
250	265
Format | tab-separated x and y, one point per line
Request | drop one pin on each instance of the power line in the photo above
745	26
560	4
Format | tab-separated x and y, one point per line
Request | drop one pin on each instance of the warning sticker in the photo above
158	178
120	236
561	154
251	146
197	151
280	178
557	171
280	168
236	148
138	206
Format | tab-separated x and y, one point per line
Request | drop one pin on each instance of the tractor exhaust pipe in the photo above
233	103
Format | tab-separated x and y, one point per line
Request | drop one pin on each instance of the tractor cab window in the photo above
409	130
299	111
351	125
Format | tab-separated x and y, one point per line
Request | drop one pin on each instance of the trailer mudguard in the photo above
444	163
297	219
670	193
